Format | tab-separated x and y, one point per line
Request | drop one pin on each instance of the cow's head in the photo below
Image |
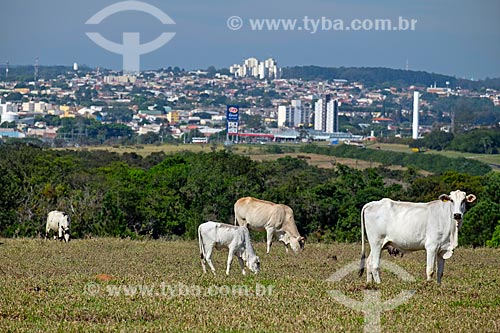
66	235
253	264
296	243
63	229
458	199
302	242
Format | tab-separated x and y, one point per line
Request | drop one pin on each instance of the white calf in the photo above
235	238
58	222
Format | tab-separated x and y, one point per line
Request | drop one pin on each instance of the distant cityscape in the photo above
252	67
189	105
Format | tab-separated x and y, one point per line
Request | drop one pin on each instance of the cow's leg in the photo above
373	262
369	276
431	262
270	233
242	264
203	261
203	264
440	268
229	259
208	257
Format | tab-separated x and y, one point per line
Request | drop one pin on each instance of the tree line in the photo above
25	73
479	141
168	196
430	162
385	77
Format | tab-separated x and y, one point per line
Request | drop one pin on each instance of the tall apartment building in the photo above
294	115
326	114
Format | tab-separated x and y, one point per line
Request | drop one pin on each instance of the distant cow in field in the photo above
275	219
58	222
236	239
406	226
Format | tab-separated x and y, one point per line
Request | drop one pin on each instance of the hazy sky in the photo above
456	37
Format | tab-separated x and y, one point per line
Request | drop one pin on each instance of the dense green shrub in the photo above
127	195
495	239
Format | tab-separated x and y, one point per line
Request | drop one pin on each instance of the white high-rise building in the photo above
332	117
254	71
269	62
233	69
326	114
415	115
262	71
243	71
274	72
293	115
296	113
251	62
282	110
319	114
9	112
272	68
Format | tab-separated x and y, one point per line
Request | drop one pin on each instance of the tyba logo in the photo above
372	305
131	49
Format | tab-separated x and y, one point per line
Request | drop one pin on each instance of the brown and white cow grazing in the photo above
275	219
406	226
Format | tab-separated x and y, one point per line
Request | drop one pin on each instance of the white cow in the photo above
236	239
407	226
275	219
58	222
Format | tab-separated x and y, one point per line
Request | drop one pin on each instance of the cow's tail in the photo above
363	256
202	248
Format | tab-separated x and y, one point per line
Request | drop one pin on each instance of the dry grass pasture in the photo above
257	153
88	285
322	161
